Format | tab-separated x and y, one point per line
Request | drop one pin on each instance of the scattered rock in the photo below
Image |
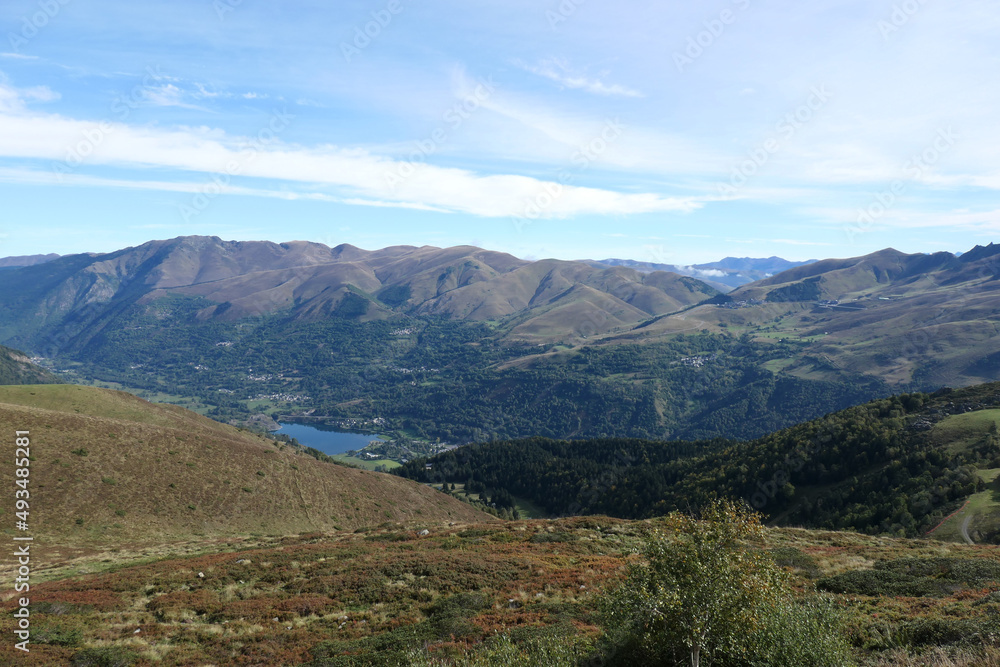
424	533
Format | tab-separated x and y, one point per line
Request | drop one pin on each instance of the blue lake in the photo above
326	440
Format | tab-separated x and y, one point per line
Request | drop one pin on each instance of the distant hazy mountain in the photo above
26	260
76	296
724	275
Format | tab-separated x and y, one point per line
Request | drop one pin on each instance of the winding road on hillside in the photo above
965	529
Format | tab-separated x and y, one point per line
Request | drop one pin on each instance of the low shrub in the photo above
104	656
542	537
57	635
915	577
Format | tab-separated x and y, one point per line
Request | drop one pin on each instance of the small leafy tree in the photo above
703	595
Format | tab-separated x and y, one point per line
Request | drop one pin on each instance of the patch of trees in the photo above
865	468
805	290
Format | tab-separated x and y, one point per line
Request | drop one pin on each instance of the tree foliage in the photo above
879	465
703	595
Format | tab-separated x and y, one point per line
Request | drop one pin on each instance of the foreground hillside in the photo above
509	593
16	368
111	469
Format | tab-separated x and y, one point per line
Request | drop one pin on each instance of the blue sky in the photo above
675	132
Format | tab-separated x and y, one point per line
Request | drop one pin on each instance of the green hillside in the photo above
899	465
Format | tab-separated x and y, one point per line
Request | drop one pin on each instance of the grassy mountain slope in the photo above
926	320
16	368
978	520
108	466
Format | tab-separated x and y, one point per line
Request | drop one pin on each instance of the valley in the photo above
507	348
852	404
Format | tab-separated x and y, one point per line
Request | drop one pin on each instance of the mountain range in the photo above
464	343
309	281
171	537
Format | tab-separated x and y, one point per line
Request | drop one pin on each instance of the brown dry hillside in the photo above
112	468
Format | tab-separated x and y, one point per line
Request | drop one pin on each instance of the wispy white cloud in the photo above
18	56
798	242
358	175
306	102
540	132
14	100
169	95
35	177
703	273
560	72
205	93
